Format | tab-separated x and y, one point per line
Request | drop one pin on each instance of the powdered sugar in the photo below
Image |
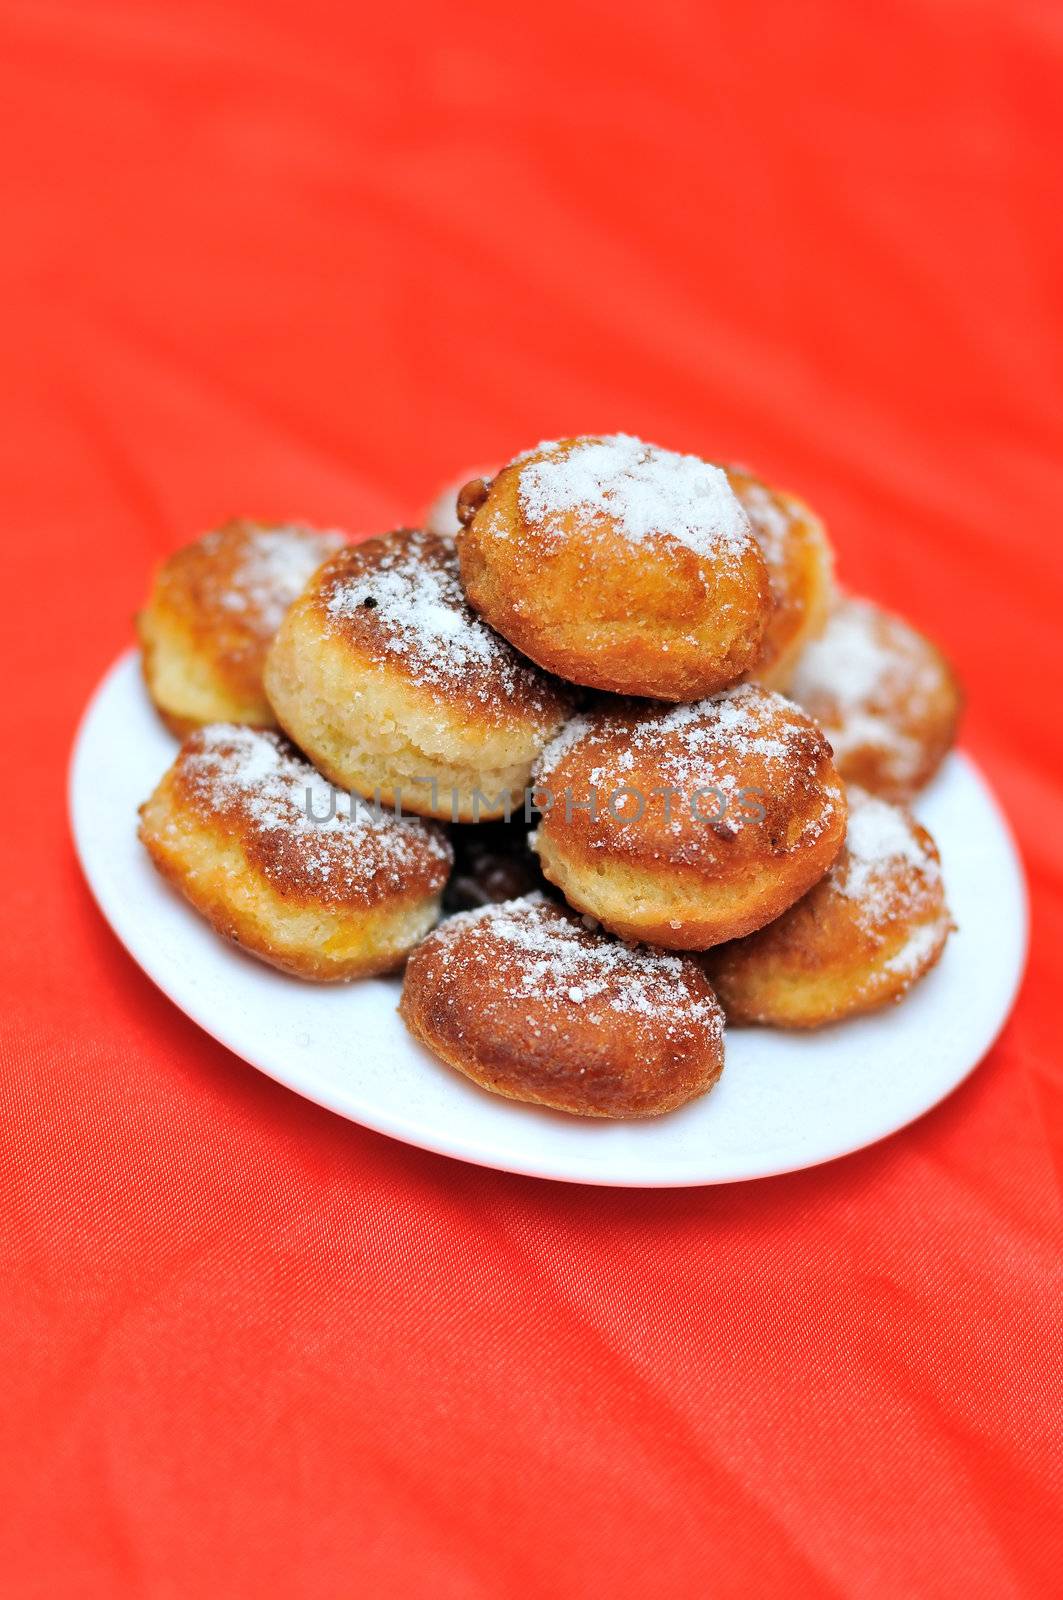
770	523
408	602
865	670
567	738
561	962
849	660
307	826
275	566
919	948
879	833
745	735
646	492
886	869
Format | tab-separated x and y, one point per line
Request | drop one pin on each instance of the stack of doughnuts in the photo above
607	716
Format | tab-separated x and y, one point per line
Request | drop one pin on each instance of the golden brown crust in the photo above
709	820
390	682
245	829
213	610
530	1004
800	566
672	615
886	697
867	932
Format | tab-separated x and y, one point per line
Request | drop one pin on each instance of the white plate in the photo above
785	1101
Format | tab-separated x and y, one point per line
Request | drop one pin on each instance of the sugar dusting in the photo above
574	731
275	566
865	665
304	822
770	522
891	876
711	744
919	947
409	604
646	492
560	961
879	838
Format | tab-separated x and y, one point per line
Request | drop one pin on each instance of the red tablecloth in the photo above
312	259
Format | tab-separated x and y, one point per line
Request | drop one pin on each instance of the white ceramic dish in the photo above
785	1100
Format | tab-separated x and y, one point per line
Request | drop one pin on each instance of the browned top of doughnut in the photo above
313	847
723	761
398	601
886	696
527	998
229	590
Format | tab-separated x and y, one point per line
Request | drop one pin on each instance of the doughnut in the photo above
342	896
388	681
619	566
800	565
886	698
530	1003
863	936
493	861
688	825
442	515
213	609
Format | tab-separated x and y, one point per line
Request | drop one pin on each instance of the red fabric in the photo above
309	259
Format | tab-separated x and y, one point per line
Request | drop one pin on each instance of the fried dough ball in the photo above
800	564
262	848
689	825
863	936
618	565
530	1003
213	610
887	699
442	515
392	685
